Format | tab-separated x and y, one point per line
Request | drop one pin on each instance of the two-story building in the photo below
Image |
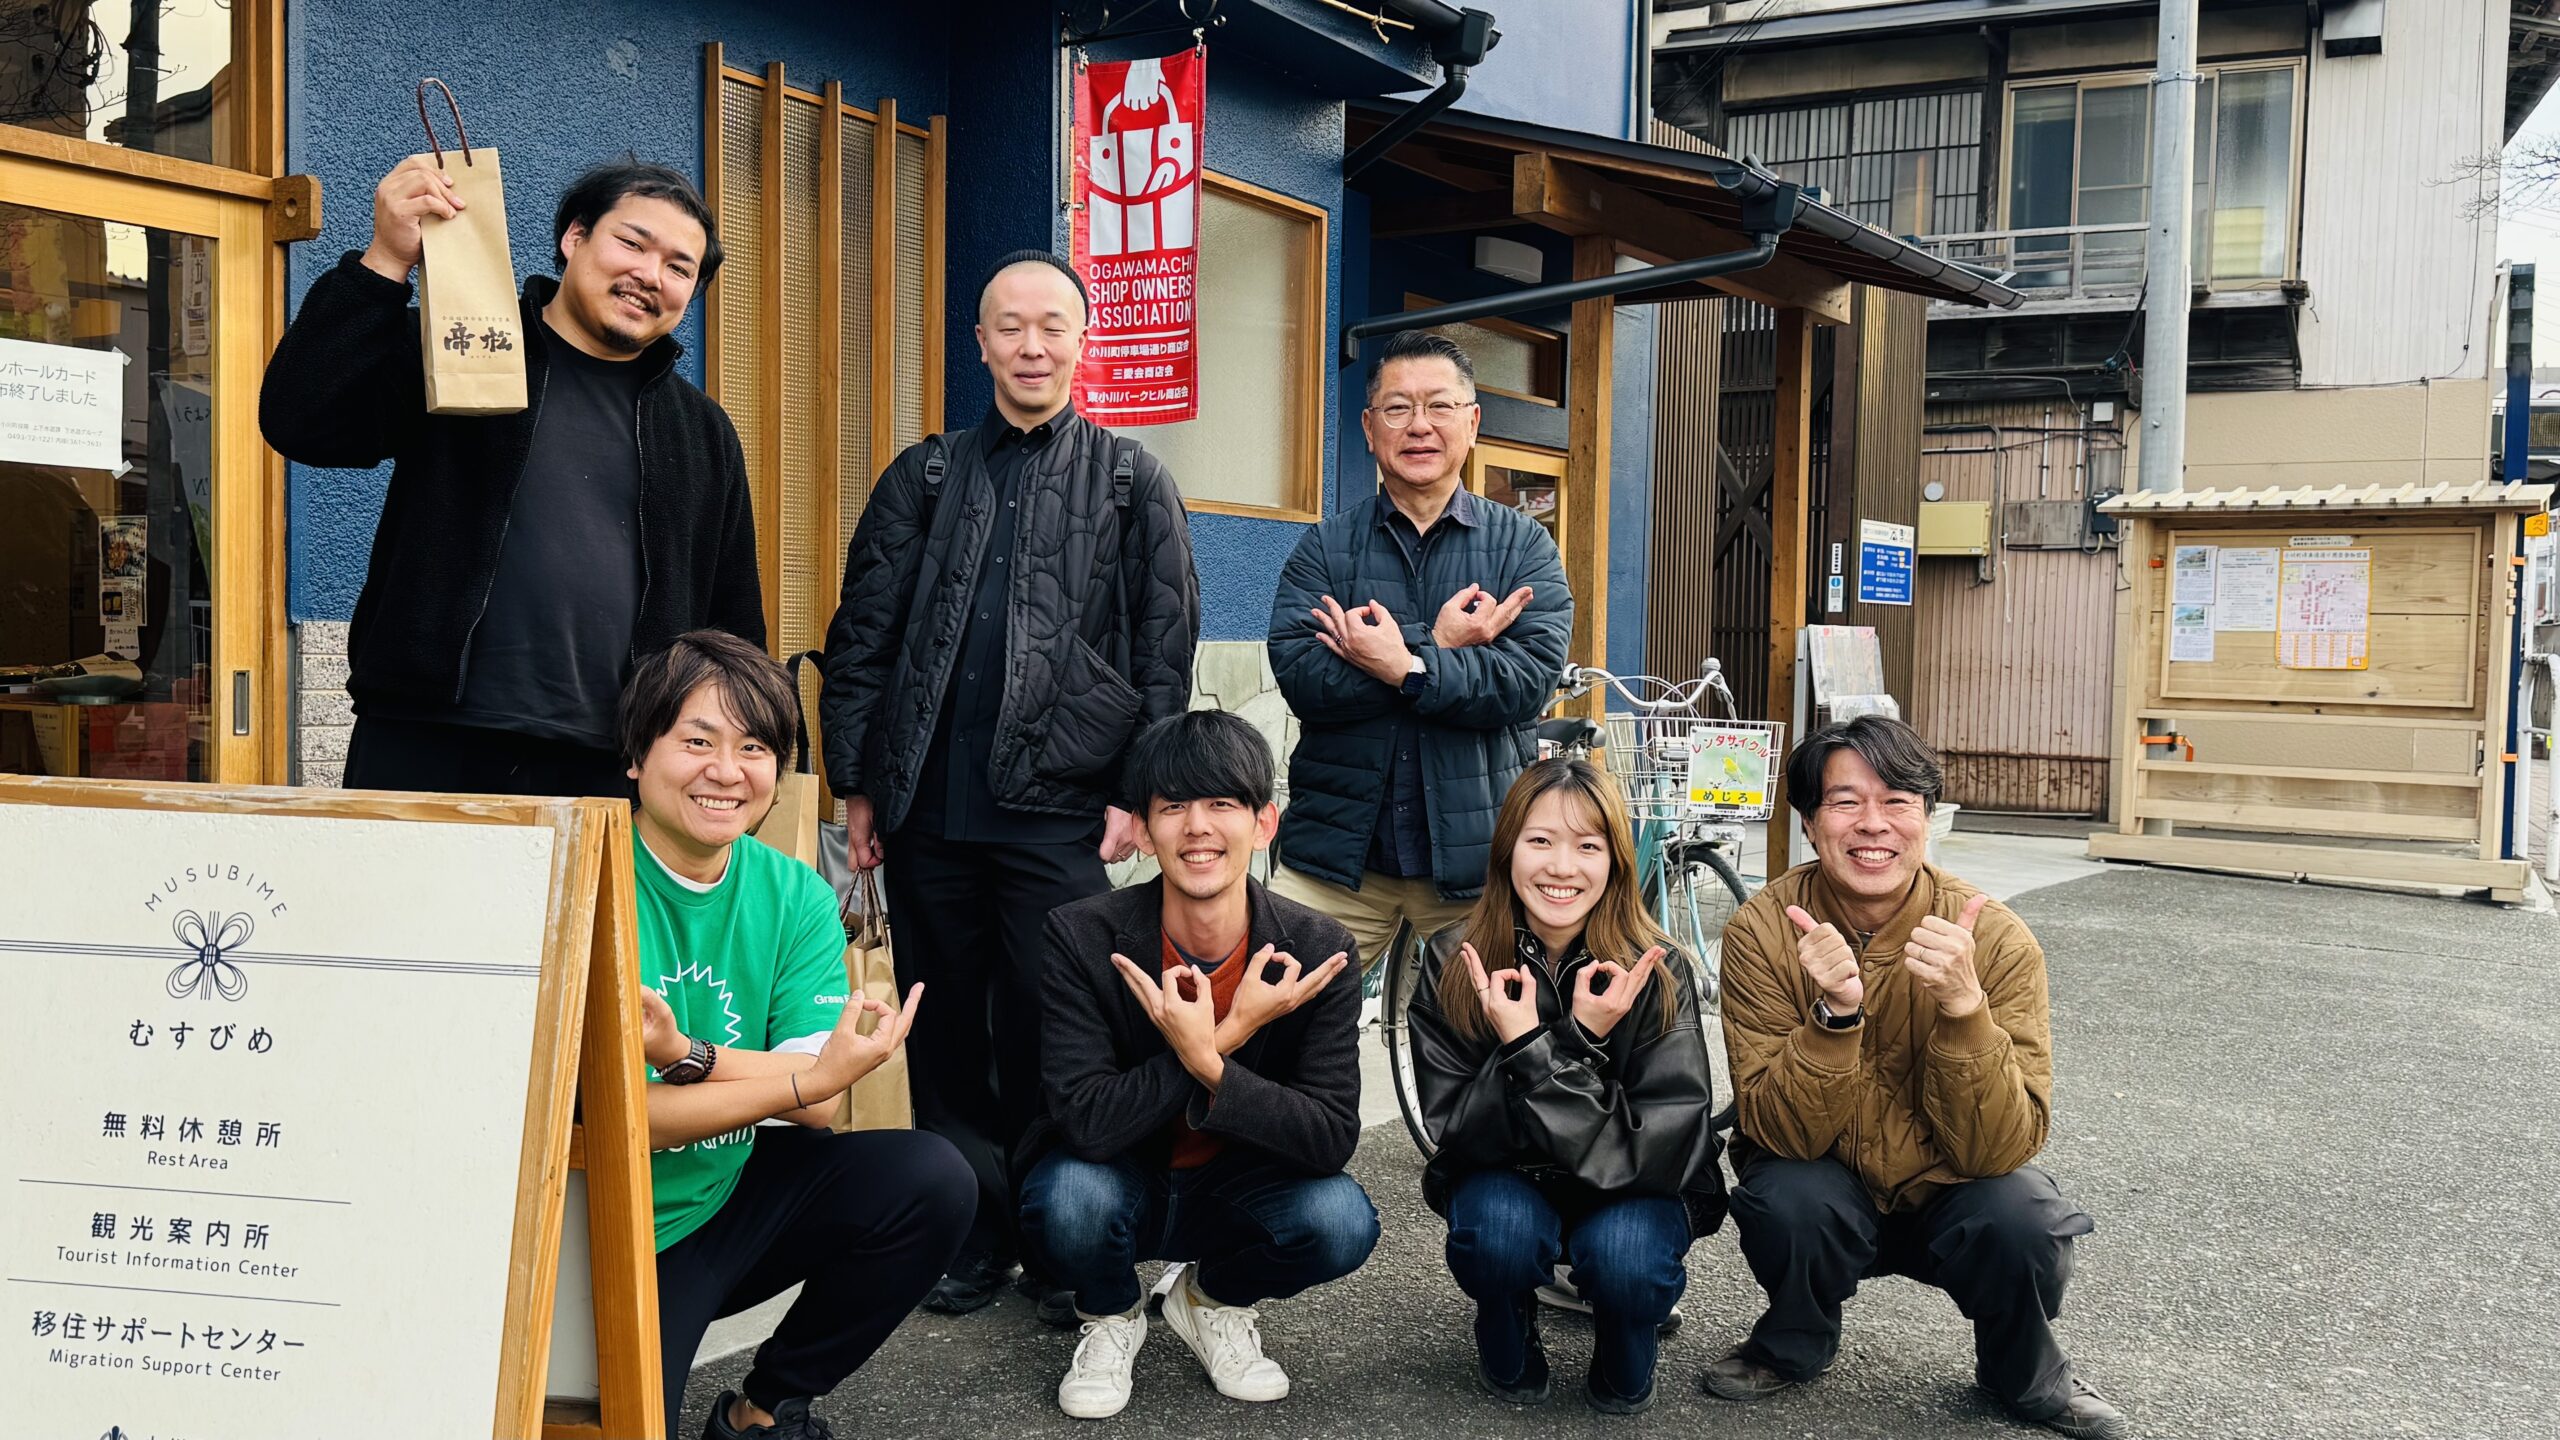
2342	310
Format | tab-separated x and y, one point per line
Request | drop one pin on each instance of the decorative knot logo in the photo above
210	972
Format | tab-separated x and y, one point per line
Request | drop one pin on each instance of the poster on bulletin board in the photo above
2324	609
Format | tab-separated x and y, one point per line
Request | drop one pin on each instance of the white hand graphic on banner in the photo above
1145	176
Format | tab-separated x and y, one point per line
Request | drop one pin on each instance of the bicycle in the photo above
1692	782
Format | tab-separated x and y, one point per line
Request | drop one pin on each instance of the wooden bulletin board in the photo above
2424	623
2315	682
298	1118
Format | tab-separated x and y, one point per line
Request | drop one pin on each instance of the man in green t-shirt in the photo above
751	1034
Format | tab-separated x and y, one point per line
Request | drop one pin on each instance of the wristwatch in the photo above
696	1064
1416	680
1829	1021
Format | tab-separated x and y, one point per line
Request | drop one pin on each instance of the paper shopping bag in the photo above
879	1100
468	320
791	826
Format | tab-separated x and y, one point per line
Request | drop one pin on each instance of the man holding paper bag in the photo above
523	559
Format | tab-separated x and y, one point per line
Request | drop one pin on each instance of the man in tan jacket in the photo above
1892	1073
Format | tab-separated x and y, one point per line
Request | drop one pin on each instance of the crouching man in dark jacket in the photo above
1018	603
1564	1078
1203	1083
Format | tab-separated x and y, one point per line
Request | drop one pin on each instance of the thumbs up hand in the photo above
1826	956
1939	956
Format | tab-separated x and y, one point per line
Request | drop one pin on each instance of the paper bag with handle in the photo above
792	825
879	1100
468	320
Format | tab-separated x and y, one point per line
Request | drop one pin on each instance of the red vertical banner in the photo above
1138	128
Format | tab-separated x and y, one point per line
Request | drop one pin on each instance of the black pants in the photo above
967	917
864	1223
1999	1247
386	754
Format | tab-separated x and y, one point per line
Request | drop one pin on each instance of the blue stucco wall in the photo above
1570	64
1001	193
555	87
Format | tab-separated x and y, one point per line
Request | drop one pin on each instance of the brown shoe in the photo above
2086	1416
1739	1377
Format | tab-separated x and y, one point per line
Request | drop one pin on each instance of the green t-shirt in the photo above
754	962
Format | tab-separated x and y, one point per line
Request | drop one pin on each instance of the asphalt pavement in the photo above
2315	1125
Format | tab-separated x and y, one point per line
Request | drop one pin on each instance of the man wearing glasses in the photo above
1417	636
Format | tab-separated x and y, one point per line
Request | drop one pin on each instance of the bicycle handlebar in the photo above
1578	680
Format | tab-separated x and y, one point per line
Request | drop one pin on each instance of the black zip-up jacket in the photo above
347	389
1113	1087
1629	1114
1102	616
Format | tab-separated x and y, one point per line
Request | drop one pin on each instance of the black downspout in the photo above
1460	39
1420	113
1766	219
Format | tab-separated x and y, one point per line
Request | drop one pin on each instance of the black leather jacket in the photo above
1632	1113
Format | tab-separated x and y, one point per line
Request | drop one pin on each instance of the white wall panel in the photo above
2400	277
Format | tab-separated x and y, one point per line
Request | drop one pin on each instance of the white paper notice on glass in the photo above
2191	572
2191	633
2244	590
269	1130
61	405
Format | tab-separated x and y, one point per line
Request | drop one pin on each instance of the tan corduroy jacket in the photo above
1909	1100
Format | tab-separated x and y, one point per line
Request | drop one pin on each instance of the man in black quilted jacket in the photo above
1018	604
1417	636
522	561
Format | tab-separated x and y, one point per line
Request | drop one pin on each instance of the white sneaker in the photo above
1228	1342
1097	1383
1561	1295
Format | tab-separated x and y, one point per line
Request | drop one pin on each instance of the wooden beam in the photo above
1431	164
937	170
2307	859
884	287
1789	497
826	519
1590	365
1398	216
621	1240
768	473
1564	196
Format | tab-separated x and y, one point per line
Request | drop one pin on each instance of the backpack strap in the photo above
936	464
1124	482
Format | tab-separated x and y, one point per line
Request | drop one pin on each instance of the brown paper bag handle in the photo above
873	927
451	104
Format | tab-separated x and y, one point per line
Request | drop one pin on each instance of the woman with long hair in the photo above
1565	1082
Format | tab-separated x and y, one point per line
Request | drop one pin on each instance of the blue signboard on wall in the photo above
1887	554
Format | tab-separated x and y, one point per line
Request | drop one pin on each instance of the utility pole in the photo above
2164	313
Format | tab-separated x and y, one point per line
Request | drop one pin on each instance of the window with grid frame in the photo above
1257	447
823	341
1906	164
2079	154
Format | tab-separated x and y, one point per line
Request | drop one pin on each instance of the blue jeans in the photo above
1505	1236
1258	1231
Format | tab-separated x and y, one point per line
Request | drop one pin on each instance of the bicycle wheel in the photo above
1403	967
1700	892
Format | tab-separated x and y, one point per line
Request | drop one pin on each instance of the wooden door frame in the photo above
248	217
1514	455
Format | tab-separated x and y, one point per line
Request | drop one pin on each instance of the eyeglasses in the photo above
1397	414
